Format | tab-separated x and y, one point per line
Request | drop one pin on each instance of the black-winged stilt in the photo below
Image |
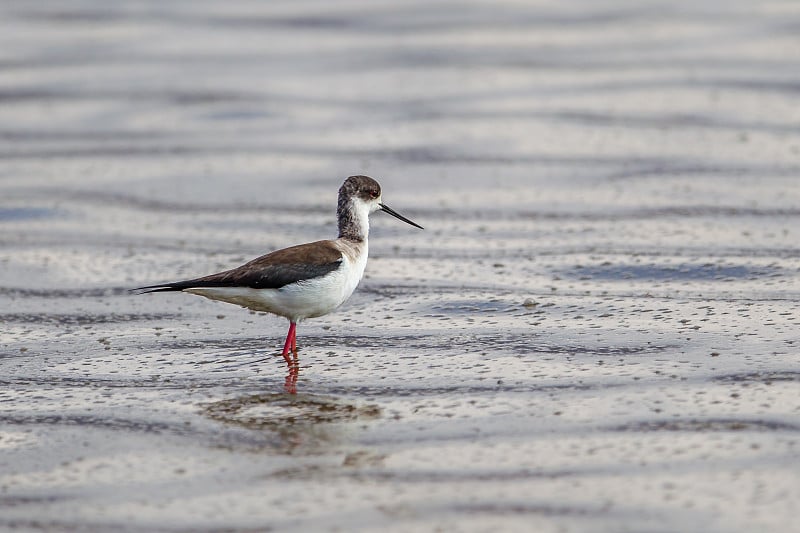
304	281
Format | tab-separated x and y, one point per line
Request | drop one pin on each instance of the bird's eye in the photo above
374	193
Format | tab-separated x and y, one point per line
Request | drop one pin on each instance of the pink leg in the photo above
294	367
290	342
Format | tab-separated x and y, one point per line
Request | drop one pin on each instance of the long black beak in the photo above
395	214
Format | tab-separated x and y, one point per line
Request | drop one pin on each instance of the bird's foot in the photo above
291	357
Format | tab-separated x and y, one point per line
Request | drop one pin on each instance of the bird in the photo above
303	281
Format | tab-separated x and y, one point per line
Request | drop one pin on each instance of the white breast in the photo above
354	256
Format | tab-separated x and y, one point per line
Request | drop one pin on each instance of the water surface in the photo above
597	331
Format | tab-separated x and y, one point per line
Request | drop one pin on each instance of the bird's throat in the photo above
353	221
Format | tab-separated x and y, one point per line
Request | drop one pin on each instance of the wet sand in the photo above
597	331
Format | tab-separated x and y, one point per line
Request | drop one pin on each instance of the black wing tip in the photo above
166	287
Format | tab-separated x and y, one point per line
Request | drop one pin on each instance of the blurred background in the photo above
597	330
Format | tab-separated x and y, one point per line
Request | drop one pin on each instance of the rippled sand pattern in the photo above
597	331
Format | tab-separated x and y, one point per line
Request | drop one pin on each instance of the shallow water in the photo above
597	331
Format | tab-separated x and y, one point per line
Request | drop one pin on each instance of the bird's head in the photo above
364	193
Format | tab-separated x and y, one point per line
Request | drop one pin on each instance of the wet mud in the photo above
597	331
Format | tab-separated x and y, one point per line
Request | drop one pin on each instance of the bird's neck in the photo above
353	221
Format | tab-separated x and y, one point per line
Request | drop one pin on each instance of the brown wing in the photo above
271	271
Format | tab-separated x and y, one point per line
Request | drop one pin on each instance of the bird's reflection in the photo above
292	373
292	423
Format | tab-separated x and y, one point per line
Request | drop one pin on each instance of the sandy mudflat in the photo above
597	331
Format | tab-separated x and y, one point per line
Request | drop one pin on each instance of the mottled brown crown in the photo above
363	187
